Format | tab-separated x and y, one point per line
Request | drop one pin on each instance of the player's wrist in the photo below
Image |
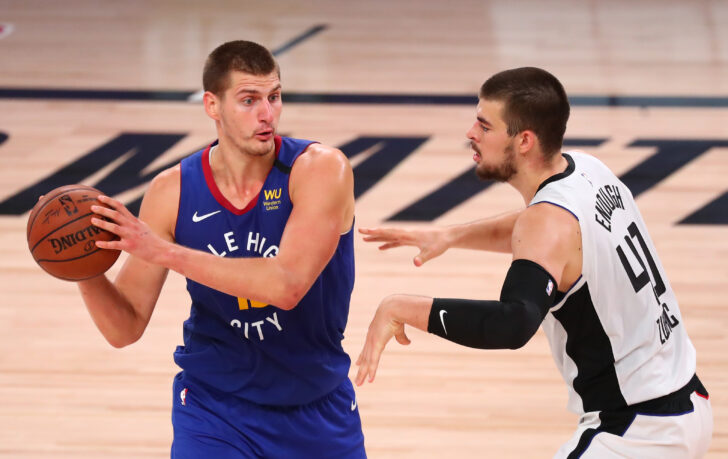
448	236
407	310
454	236
169	255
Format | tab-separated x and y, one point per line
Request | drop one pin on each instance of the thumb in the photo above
402	338
422	257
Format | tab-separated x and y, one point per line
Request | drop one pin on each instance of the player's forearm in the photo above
261	279
113	314
491	234
527	294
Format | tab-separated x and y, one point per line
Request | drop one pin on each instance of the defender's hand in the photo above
432	242
381	330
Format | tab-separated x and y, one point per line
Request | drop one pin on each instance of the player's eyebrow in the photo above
255	91
484	121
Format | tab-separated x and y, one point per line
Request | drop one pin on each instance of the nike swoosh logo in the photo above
442	319
353	405
198	218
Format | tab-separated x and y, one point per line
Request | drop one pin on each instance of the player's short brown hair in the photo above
243	56
533	100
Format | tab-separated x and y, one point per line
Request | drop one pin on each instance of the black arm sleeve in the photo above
527	294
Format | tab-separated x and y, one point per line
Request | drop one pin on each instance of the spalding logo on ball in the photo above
61	237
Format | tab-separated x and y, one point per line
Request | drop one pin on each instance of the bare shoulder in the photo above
546	212
322	180
550	236
545	223
167	181
322	156
321	165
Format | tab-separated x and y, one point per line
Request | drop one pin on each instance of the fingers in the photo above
114	204
368	362
389	245
368	359
361	372
113	245
105	212
384	235
106	225
380	238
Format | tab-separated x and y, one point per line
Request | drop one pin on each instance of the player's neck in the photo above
532	174
239	175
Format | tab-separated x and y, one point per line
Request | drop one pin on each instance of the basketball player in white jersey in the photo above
584	267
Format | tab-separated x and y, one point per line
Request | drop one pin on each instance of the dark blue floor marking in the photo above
304	36
358	99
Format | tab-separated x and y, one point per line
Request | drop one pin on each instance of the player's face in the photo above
494	150
249	111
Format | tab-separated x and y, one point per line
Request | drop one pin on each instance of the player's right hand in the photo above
382	328
431	242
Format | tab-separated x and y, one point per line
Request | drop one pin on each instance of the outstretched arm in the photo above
540	260
322	186
492	234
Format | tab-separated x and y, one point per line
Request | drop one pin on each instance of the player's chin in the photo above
262	144
258	148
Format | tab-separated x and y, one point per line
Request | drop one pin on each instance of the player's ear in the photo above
212	105
526	140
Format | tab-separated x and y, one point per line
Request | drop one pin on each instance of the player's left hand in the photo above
135	236
383	327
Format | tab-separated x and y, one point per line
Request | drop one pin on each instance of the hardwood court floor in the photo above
64	392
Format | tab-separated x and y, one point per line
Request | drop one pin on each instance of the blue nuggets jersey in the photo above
243	347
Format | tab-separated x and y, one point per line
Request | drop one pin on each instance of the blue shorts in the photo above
212	425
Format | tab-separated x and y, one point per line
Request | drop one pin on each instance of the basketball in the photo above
61	237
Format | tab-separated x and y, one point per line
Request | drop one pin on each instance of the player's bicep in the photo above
544	234
322	197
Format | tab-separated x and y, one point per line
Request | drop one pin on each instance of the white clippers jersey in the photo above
617	334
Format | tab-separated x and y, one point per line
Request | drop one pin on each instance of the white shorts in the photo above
631	433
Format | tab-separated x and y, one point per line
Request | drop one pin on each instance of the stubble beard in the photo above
254	147
501	172
262	149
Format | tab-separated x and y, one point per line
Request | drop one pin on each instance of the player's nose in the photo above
265	114
471	133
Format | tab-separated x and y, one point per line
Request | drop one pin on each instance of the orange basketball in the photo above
61	237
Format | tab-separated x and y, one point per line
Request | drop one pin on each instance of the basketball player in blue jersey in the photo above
261	227
584	268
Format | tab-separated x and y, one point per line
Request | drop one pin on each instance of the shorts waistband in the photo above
674	403
214	392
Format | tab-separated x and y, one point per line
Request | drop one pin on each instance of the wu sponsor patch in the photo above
549	287
272	199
